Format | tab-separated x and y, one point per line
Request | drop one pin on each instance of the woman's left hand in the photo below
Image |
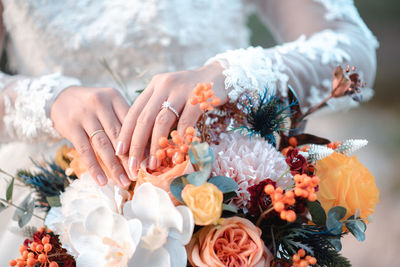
147	119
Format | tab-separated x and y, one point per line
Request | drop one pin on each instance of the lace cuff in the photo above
252	70
29	118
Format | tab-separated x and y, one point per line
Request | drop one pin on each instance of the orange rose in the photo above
345	182
162	178
236	242
205	202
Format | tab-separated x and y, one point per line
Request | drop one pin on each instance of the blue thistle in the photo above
266	115
50	181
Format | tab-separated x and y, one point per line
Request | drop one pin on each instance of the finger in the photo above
111	124
121	107
129	123
143	129
82	145
189	117
165	119
103	147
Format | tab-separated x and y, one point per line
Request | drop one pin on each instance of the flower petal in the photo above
188	225
135	228
177	252
98	227
146	258
90	258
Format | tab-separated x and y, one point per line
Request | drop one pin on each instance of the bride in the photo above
61	91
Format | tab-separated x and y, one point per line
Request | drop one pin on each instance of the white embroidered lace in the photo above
167	35
306	63
28	117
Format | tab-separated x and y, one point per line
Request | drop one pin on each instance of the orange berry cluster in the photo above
293	144
305	186
301	260
36	253
334	145
281	201
175	151
203	93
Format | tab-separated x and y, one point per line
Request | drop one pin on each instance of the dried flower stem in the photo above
315	108
17	207
263	215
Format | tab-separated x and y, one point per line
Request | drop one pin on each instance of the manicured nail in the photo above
118	152
102	180
133	166
124	180
153	163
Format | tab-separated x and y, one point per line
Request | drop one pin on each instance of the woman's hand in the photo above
91	119
146	121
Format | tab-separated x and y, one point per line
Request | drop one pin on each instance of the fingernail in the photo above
124	180
118	152
101	179
152	163
133	166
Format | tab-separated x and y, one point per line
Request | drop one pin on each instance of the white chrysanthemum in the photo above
150	231
248	161
350	146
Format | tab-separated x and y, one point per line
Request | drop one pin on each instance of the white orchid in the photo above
99	228
166	228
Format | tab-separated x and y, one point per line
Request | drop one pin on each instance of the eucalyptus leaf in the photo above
2	207
10	190
201	154
336	243
228	196
229	208
23	207
318	214
337	212
198	178
357	228
225	184
54	201
27	215
177	186
334	215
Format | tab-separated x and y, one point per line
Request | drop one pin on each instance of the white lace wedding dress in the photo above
52	45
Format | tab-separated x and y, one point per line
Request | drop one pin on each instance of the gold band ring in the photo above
96	132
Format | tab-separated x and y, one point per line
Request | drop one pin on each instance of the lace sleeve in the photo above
25	105
317	36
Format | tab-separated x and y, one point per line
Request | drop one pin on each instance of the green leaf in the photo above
225	184
318	214
177	186
10	190
357	228
334	215
229	208
2	207
200	177
337	212
336	243
27	216
54	201
228	196
201	154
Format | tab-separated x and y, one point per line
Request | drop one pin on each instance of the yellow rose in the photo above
345	182
204	201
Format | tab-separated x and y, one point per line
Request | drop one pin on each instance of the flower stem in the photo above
280	177
203	131
15	206
263	215
315	108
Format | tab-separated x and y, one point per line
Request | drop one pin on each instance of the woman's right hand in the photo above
80	112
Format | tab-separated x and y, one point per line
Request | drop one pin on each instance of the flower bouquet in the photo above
240	189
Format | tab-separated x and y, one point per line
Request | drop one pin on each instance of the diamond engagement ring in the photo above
167	105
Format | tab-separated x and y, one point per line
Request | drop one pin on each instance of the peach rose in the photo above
236	242
162	178
345	182
205	202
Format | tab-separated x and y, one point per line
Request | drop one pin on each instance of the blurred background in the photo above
378	121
